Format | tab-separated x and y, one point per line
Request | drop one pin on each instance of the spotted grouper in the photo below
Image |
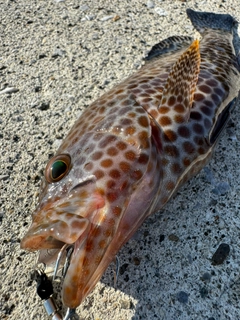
132	148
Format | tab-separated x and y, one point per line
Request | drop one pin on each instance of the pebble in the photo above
221	254
173	237
58	53
206	277
84	7
161	12
89	17
150	4
9	90
209	175
221	224
4	177
182	297
56	144
106	18
116	18
221	188
44	106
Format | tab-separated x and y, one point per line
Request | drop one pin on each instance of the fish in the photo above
132	149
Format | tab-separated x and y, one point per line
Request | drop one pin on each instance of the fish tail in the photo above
208	20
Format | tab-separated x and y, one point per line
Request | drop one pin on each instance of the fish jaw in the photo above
63	221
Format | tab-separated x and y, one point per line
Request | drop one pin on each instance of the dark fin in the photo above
208	20
221	121
169	45
182	80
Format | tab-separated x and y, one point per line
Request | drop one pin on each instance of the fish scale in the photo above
133	148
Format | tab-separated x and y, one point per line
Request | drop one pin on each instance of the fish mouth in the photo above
54	234
74	221
64	221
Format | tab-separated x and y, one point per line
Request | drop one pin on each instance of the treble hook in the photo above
58	261
71	315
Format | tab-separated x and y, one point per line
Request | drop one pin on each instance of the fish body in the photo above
132	149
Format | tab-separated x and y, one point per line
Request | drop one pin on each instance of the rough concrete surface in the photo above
59	56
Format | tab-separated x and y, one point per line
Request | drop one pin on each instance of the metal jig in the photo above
45	287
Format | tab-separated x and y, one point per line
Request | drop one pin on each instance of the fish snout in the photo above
55	233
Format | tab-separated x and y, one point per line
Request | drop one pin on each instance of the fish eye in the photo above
57	168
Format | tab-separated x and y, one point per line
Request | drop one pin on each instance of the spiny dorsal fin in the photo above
178	93
169	45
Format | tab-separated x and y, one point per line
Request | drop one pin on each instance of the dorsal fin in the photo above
180	87
168	46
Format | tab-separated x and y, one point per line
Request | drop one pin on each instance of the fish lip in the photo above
54	243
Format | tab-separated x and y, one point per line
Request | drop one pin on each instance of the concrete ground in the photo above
56	57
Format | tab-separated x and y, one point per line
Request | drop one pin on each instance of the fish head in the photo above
64	203
93	197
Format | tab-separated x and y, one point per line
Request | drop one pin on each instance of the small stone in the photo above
89	17
116	18
209	175
42	56
84	7
206	277
56	144
37	88
106	18
221	224
182	297
150	4
125	304
4	177
221	254
161	12
9	90
173	237
44	106
95	36
221	188
58	53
